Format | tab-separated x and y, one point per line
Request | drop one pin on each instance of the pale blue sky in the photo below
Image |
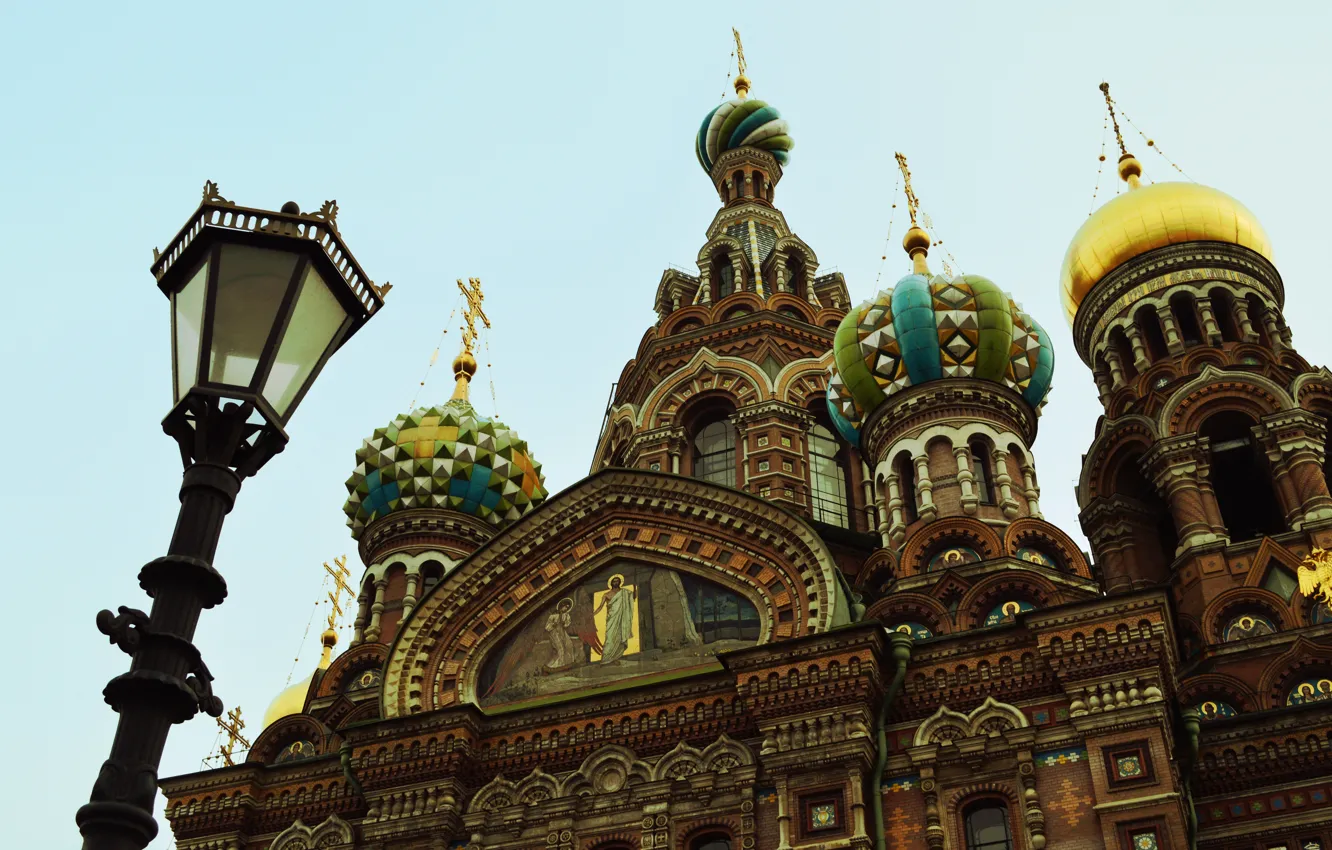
545	147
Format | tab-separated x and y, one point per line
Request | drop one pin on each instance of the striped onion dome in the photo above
742	123
930	329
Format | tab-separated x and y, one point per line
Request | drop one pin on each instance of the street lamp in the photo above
259	301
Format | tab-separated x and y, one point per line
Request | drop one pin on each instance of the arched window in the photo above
1149	325
714	452
1182	305
725	272
1256	312
906	486
739	178
1124	349
795	276
1241	479
982	470
758	184
711	841
827	478
1152	515
431	573
986	824
1223	307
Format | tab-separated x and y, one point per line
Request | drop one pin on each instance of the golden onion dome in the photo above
1149	217
290	701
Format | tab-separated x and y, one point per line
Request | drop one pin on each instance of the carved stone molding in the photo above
334	833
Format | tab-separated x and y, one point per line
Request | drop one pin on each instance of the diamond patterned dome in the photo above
929	329
447	456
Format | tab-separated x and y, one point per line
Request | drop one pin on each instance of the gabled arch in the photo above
1215	390
897	608
693	313
705	371
780	300
1026	531
1303	658
352	662
282	732
773	557
1198	688
1100	465
980	536
1240	600
985	594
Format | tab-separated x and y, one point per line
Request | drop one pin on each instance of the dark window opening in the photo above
1160	525
986	825
980	467
711	841
906	486
1125	351
827	478
714	453
1186	316
1223	308
1149	325
725	277
1256	312
1241	479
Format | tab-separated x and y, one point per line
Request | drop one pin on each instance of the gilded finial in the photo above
1130	170
741	81
340	575
464	365
916	242
231	726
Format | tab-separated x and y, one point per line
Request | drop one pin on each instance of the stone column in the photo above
1007	503
1297	438
858	830
1210	326
409	598
779	271
1174	342
1177	464
1111	540
934	829
1031	489
896	521
924	489
966	478
1031	800
376	609
1104	386
362	613
1117	378
1140	358
1244	320
704	295
783	815
1273	331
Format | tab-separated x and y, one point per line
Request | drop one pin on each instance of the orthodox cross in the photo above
232	726
912	204
739	51
472	292
340	586
1110	105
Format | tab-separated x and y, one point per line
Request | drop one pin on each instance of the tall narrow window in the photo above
906	486
1241	478
1187	317
714	453
827	478
986	825
725	278
980	468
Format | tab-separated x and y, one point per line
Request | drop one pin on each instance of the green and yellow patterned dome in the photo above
446	456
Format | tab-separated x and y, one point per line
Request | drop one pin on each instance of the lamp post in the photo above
259	301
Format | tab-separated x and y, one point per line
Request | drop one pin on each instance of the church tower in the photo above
940	380
1207	474
728	386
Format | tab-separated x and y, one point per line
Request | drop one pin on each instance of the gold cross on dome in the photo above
232	726
912	204
472	292
340	586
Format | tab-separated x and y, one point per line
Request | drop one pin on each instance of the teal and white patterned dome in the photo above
742	123
446	456
930	329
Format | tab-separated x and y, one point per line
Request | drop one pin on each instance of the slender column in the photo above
896	524
1245	321
1298	437
783	816
1103	386
376	609
780	271
925	489
704	295
1117	378
362	613
1210	326
1007	503
867	498
1140	358
1273	331
409	598
1174	342
1177	465
1031	490
966	478
857	805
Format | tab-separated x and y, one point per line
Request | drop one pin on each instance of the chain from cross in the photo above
1110	105
913	205
472	292
739	50
232	726
340	586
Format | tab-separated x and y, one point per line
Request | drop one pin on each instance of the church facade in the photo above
806	596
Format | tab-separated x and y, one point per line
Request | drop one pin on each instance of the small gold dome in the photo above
916	239
1150	217
290	701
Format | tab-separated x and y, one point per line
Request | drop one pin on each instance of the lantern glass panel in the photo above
316	322
250	286
187	307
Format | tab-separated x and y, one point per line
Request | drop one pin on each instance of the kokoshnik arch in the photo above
807	596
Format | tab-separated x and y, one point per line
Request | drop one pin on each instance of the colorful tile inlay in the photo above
1145	840
823	816
1128	767
901	783
1040	717
766	795
1072	755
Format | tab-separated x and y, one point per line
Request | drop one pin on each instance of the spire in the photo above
330	636
464	365
231	726
741	81
916	242
1130	170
